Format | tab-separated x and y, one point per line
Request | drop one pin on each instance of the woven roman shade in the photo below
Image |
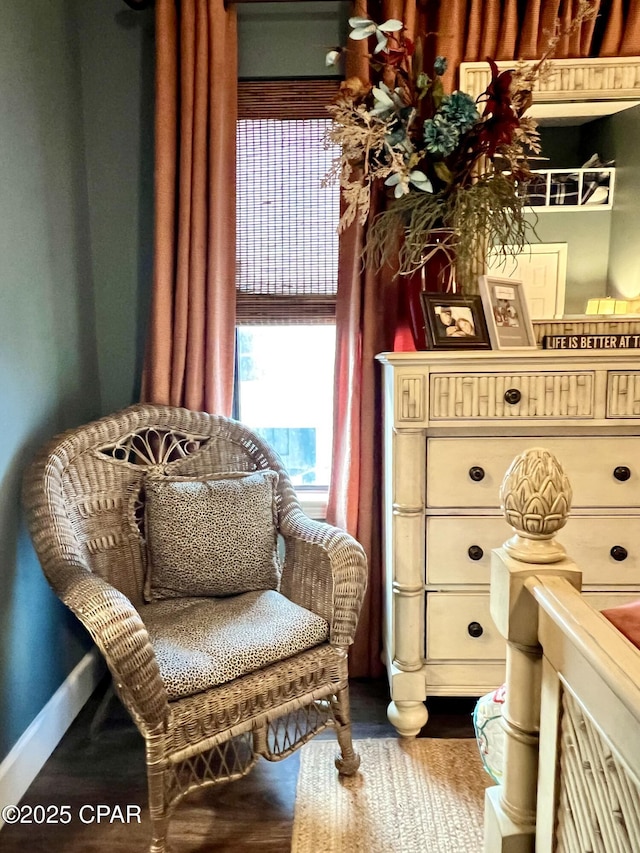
287	245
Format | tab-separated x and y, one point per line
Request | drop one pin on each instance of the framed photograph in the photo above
506	312
454	322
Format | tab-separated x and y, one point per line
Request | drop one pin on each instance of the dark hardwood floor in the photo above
252	814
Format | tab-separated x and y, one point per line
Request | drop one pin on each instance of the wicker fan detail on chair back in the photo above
85	497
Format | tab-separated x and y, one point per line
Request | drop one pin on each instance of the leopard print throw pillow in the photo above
211	536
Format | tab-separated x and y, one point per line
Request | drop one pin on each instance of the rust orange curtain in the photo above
366	310
190	349
472	30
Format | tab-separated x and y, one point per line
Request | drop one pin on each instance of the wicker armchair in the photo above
85	500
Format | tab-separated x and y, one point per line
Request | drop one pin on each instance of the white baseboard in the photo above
27	757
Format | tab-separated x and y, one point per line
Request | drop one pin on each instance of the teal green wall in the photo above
617	138
290	40
587	235
116	70
48	357
603	257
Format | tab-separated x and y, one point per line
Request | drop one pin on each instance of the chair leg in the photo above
101	712
159	835
348	761
156	781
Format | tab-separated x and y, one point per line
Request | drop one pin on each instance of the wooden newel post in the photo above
535	497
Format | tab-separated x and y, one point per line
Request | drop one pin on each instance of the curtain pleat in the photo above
190	352
563	50
157	378
613	30
549	14
508	37
490	29
575	39
528	42
452	26
221	257
474	31
586	33
630	44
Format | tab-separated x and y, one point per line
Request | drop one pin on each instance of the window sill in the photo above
314	503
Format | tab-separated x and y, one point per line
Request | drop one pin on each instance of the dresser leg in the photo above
408	718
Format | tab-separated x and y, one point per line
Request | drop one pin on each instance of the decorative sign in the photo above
592	342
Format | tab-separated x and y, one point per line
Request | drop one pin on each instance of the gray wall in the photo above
48	358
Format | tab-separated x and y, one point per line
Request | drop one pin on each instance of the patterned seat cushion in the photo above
201	642
211	535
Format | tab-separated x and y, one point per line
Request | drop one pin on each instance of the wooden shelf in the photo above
579	91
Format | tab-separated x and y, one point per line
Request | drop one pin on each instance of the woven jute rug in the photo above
411	796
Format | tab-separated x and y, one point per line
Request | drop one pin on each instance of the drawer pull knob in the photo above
512	396
475	629
619	553
476	473
475	552
622	473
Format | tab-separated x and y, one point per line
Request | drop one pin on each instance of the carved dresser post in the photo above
535	497
407	711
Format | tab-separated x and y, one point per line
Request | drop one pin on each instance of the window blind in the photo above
287	245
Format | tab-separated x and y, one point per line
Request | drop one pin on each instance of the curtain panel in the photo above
472	30
366	312
190	347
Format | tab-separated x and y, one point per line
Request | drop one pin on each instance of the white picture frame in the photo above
507	314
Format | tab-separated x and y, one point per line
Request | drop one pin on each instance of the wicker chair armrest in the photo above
117	629
325	570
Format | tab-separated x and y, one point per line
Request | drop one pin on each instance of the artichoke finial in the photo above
535	497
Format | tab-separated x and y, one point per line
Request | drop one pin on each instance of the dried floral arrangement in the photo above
449	161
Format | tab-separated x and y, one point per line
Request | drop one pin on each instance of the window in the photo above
287	262
297	418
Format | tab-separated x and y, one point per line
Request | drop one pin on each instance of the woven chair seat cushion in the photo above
203	642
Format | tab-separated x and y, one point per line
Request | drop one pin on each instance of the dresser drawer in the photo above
589	462
623	394
452	621
453	543
459	549
511	396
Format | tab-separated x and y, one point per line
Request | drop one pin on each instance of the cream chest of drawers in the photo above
453	424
